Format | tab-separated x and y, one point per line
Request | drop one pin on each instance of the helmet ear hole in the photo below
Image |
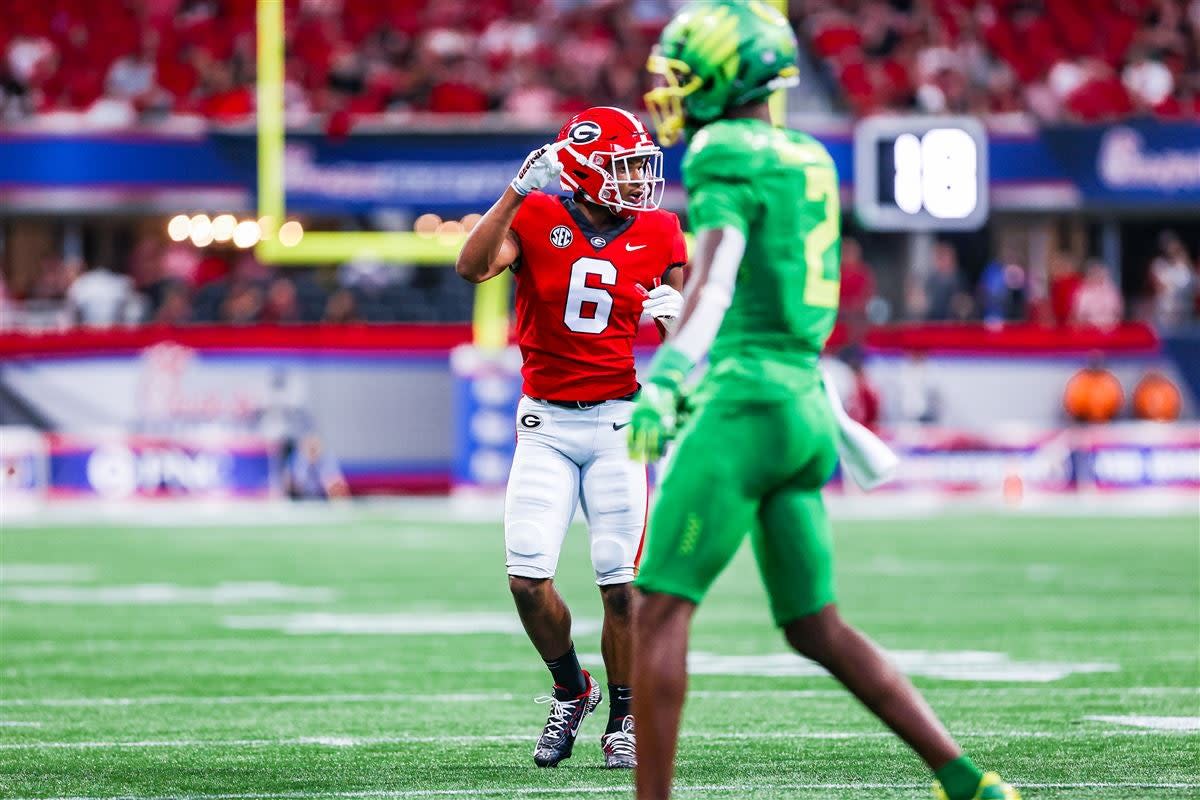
580	174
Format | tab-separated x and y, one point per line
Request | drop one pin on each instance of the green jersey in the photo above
780	189
760	438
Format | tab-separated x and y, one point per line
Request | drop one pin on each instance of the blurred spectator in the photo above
132	76
242	304
341	308
53	278
227	93
1098	302
1173	281
919	399
312	473
945	288
6	304
284	415
102	298
1065	281
1001	290
862	402
856	291
175	307
1148	80
281	305
371	275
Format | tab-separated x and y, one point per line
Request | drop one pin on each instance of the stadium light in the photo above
222	227
179	228
200	228
291	233
426	225
246	234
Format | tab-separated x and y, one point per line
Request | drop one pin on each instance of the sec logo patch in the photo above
561	236
531	421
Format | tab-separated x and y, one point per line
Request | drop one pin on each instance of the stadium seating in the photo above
1075	59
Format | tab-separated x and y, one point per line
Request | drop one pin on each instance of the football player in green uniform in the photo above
760	439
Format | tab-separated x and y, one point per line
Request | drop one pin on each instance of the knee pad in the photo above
524	538
612	561
526	544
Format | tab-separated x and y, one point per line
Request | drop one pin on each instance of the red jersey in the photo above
577	302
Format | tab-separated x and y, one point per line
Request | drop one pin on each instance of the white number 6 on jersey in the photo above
579	293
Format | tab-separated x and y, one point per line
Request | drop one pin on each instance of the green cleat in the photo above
992	787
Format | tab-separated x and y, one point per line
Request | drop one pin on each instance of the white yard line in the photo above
1151	723
467	697
16	723
159	594
239	669
367	741
383	794
264	699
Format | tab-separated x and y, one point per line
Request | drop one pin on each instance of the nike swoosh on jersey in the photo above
630	247
617	427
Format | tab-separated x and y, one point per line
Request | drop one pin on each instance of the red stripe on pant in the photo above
637	560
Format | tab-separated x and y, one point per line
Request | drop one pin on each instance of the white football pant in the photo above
567	456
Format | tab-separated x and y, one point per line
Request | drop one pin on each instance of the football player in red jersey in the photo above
587	267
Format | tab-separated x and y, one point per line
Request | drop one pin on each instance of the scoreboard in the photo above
921	173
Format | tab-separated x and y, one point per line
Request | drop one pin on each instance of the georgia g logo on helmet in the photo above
584	132
609	157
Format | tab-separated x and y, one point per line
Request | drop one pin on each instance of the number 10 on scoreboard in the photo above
921	174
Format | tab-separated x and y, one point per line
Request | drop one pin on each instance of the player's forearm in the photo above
720	254
480	258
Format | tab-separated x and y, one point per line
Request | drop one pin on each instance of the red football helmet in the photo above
610	157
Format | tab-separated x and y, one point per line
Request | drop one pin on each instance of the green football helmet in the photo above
715	55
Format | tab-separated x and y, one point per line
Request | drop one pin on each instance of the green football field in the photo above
368	654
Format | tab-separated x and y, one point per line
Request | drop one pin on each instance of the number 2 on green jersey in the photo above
820	184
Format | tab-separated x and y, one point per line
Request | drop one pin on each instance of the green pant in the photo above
748	462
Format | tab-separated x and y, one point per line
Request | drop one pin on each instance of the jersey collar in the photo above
596	238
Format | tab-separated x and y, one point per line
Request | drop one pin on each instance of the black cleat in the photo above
558	737
619	746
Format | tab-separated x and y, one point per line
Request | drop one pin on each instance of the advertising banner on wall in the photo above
1014	460
1139	164
196	467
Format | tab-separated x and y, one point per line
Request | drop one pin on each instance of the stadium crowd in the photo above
177	284
1059	59
126	61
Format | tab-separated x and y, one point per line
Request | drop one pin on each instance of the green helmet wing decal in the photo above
715	55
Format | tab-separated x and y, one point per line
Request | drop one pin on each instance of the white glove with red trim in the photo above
665	305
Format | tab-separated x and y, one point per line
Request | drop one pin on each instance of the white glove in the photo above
540	167
867	458
665	305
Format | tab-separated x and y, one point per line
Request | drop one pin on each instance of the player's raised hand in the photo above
663	303
653	423
540	168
